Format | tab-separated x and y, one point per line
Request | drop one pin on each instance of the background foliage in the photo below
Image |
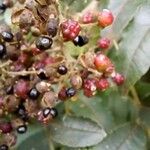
117	119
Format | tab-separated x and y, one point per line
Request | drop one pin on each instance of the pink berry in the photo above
119	79
105	18
110	70
70	29
62	94
39	65
88	18
23	58
21	88
88	93
102	84
35	51
89	84
102	62
103	43
18	66
49	60
5	127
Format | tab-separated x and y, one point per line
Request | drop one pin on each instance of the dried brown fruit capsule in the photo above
76	81
49	99
52	26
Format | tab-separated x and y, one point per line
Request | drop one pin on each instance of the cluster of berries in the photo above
35	69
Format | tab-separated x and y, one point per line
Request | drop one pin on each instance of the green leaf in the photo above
144	114
123	13
76	132
104	109
126	137
136	62
68	132
132	28
73	5
34	138
94	108
143	90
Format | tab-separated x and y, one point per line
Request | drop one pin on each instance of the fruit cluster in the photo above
37	70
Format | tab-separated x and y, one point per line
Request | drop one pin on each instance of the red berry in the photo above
39	65
119	79
35	51
102	84
70	29
5	127
105	18
18	66
109	70
88	93
23	58
62	94
49	60
21	88
88	18
102	62
90	84
103	43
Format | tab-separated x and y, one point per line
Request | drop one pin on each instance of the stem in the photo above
19	73
50	143
135	96
5	64
116	45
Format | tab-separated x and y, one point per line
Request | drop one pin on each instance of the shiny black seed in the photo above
2	51
2	8
10	90
62	70
44	43
7	36
70	92
42	75
21	112
22	129
3	147
80	40
33	93
53	112
24	77
46	112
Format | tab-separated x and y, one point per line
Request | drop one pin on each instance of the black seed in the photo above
7	36
24	77
80	40
10	90
21	112
70	92
42	75
3	147
53	112
22	129
46	112
2	8
2	51
44	43
34	93
62	70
